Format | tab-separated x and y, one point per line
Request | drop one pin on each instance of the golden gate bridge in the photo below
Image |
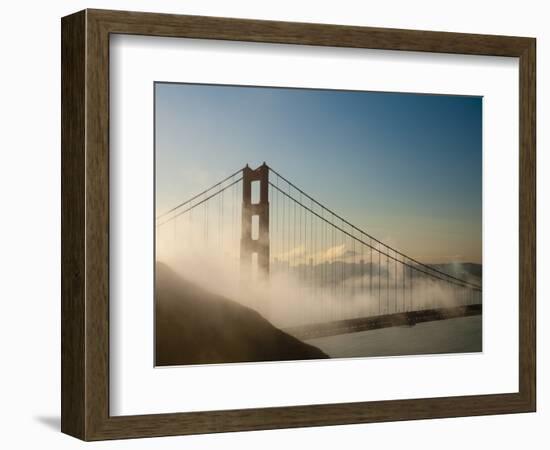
342	278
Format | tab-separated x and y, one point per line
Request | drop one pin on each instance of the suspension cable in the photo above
199	203
199	195
387	255
368	235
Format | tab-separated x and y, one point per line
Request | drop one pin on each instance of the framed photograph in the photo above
272	224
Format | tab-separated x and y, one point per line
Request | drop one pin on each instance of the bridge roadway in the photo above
408	318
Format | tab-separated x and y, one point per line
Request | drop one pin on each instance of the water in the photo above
461	335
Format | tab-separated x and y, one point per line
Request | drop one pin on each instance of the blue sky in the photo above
406	168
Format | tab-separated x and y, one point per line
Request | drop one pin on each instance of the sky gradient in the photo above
406	168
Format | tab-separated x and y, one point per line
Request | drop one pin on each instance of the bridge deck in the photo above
408	318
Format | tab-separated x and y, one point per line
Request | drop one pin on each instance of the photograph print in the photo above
306	224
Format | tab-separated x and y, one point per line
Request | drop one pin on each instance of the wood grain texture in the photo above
73	225
527	225
97	226
152	24
85	224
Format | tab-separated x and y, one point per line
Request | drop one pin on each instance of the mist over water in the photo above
305	293
321	270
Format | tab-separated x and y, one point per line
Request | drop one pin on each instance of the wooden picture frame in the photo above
85	224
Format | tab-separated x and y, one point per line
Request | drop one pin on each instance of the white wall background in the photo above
30	225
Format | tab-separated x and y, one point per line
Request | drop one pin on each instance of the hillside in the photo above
194	326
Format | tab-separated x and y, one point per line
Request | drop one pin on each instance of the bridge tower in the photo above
249	245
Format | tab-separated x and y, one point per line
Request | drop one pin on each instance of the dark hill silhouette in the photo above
194	326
